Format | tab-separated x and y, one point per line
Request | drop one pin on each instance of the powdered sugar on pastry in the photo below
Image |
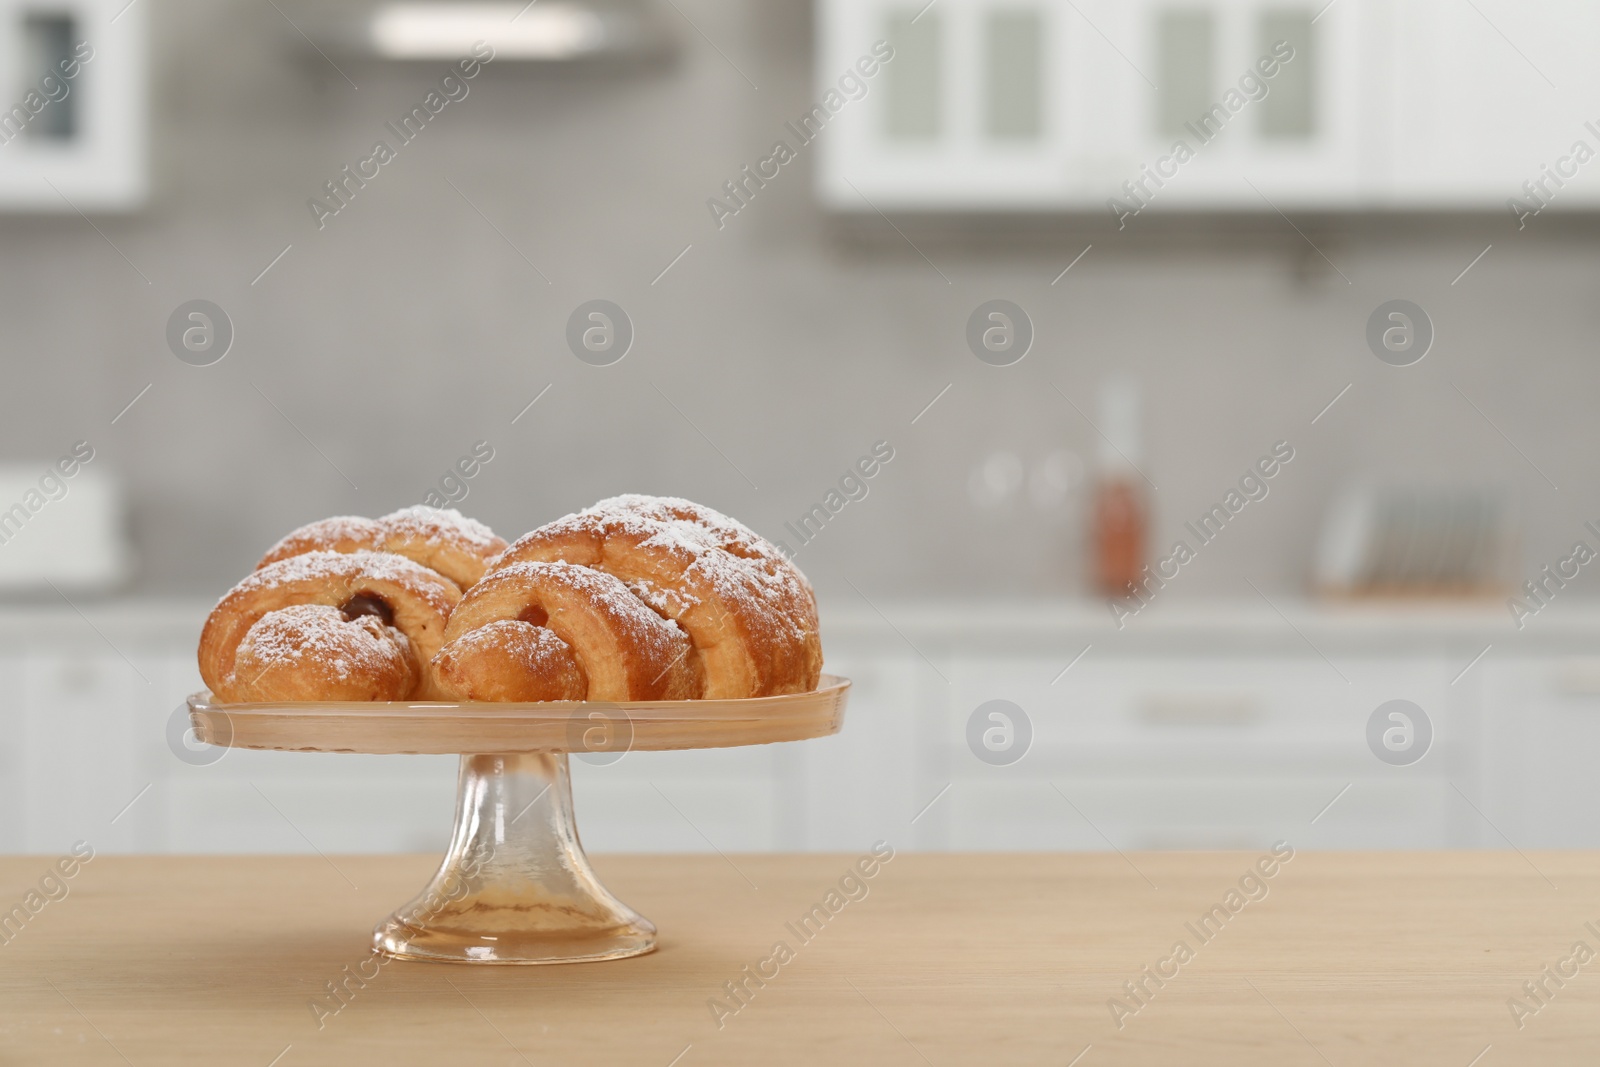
302	632
412	599
312	651
635	598
422	521
750	613
442	538
610	642
360	565
341	533
740	564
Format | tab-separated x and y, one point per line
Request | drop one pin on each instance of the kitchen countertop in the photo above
1349	958
1283	625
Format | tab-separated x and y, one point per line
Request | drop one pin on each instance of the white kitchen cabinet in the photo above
860	786
1033	105
1248	812
1541	788
839	793
73	127
1487	96
237	800
921	136
304	802
81	727
243	801
1201	752
728	800
1219	730
13	757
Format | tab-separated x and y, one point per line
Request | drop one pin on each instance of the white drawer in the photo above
1199	813
1167	713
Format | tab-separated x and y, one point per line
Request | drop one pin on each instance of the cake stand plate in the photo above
515	885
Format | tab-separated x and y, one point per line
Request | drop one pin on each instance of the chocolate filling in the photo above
367	604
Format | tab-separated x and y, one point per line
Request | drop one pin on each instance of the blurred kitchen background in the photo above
1181	332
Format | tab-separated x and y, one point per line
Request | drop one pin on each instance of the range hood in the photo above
538	32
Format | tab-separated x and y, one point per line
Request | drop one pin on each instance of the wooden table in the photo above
1351	958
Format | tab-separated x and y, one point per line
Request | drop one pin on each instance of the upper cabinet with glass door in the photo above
1212	104
72	105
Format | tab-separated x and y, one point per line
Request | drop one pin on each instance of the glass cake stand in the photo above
515	885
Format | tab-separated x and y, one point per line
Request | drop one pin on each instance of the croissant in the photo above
442	538
328	626
555	631
741	618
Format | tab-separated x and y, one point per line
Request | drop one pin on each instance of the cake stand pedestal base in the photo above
515	886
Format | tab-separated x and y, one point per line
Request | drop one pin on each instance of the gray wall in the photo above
408	329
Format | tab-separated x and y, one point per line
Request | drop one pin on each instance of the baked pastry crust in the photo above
556	631
386	623
510	660
313	652
636	598
442	538
750	614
